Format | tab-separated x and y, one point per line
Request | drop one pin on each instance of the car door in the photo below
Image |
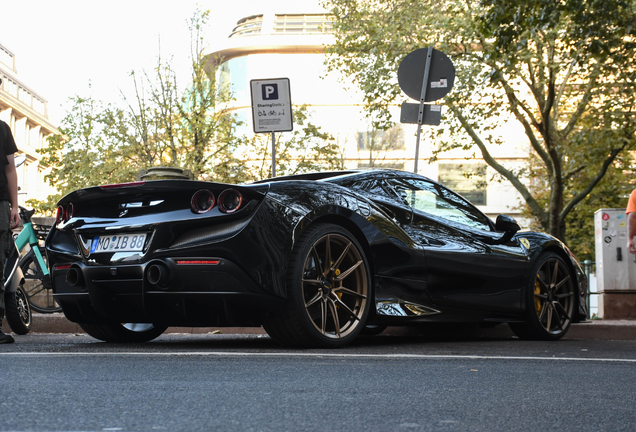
467	265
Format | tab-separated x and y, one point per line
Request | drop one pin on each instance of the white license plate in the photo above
118	243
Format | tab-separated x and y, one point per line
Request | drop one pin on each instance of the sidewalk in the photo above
593	329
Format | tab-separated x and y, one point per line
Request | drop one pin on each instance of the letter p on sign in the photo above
270	91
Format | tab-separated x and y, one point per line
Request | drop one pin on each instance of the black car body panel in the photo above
218	268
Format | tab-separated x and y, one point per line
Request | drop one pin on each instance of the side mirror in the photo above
506	224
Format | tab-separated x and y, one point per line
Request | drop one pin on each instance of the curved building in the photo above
291	44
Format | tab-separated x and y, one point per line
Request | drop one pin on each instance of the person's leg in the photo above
5	239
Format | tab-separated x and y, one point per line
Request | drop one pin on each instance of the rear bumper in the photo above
176	292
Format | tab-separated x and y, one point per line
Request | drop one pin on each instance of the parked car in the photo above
315	259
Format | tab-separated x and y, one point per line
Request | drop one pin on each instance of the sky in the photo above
65	48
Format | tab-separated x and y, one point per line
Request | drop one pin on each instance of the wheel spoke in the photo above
544	287
323	315
318	265
555	274
346	273
559	307
33	291
313	301
560	296
557	316
549	323
334	313
316	282
342	255
345	307
350	292
541	296
560	284
327	265
543	311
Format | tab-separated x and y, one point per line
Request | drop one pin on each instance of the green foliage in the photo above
192	129
305	149
563	72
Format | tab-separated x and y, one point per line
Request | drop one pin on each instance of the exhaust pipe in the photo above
158	275
74	277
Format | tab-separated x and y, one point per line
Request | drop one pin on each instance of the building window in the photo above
303	23
248	26
467	179
391	139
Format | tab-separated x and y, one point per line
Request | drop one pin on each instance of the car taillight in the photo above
64	213
202	201
60	216
230	201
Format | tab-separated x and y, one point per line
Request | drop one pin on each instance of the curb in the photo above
590	330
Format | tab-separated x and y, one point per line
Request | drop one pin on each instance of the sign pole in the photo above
420	115
273	156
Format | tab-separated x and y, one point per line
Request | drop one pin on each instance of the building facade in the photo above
291	44
26	113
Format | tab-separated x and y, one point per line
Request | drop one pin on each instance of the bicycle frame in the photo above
27	235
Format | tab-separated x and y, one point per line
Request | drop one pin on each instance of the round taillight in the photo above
230	201
202	201
60	215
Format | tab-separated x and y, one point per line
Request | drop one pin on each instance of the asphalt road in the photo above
247	383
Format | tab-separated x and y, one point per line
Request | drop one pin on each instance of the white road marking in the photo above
312	355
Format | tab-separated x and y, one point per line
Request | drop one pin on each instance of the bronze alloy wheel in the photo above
554	296
329	290
335	286
550	301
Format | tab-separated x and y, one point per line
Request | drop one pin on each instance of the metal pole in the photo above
420	116
273	156
587	265
417	146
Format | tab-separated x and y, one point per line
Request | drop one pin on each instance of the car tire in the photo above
127	332
18	311
327	305
550	300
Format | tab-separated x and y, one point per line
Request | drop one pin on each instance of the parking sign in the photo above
271	105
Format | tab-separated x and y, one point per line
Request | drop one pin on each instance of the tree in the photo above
563	71
159	126
88	152
305	149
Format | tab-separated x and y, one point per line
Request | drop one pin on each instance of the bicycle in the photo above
38	287
29	288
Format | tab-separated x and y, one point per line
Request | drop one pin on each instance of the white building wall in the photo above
335	104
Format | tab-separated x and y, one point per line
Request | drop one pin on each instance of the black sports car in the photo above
315	259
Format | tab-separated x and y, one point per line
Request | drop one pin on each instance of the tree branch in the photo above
579	197
525	193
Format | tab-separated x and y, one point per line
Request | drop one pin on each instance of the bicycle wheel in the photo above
18	312
39	293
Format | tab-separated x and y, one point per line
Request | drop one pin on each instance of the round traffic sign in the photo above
441	75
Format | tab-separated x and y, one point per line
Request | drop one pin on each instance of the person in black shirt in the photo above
9	212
